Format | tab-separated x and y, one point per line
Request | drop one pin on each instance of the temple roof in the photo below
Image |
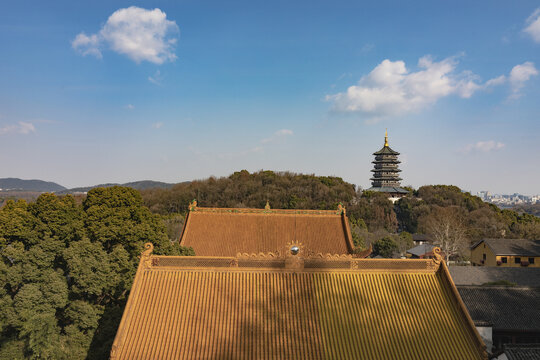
226	232
386	150
287	306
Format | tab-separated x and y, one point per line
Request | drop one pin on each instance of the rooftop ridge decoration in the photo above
146	255
340	211
293	256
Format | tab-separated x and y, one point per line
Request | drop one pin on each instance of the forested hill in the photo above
367	210
29	185
137	185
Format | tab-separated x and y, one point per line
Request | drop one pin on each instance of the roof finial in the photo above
267	206
386	138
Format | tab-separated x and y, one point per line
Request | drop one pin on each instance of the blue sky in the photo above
116	91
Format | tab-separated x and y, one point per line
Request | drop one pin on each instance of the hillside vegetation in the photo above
66	269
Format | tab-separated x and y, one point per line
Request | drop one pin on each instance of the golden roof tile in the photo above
225	232
294	305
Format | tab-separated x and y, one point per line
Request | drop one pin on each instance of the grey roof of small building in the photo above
478	275
517	247
507	308
389	189
522	351
421	249
421	237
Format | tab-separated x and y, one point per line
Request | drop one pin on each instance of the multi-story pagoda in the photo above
386	172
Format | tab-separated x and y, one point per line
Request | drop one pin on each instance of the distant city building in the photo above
386	172
508	200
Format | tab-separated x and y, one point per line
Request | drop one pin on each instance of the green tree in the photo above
385	247
116	216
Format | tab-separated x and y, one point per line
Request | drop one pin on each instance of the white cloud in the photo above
20	128
533	25
519	75
156	79
129	107
483	146
140	34
277	134
391	89
87	45
157	125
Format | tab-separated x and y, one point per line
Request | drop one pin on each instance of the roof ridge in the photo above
280	260
217	210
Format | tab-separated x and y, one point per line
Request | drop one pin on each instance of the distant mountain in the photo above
29	185
138	185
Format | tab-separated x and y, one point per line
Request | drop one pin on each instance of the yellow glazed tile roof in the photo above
226	232
294	307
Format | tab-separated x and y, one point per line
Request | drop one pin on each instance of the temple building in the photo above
386	172
293	305
284	284
229	231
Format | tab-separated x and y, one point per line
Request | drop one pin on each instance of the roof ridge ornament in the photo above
437	255
386	138
341	209
193	205
146	254
258	256
267	206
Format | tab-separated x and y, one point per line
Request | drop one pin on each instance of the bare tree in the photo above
446	227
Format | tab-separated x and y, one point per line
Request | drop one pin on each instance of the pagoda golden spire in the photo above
386	138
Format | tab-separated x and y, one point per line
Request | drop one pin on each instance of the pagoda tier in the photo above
386	172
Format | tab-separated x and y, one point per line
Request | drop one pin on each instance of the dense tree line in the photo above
66	269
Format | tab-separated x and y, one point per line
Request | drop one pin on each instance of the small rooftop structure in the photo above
293	305
421	251
511	247
506	253
420	239
226	232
